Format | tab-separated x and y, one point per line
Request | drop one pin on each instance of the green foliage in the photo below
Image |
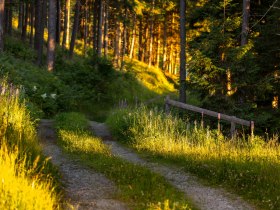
140	187
250	166
28	179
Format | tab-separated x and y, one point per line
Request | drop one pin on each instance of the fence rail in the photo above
232	119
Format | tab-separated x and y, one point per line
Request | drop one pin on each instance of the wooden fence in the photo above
232	119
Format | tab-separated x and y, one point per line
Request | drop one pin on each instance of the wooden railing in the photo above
232	119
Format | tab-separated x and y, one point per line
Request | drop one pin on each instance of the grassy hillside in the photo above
90	85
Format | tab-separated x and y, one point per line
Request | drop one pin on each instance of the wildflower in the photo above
53	95
44	95
34	88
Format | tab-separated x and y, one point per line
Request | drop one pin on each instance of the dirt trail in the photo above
84	188
206	198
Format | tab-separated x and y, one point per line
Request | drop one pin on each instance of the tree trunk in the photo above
133	38
182	94
10	18
25	23
95	26
163	66
20	11
245	22
117	43
41	33
31	24
38	17
151	35
2	5
158	46
106	25
51	34
140	50
58	22
86	27
66	32
75	27
100	20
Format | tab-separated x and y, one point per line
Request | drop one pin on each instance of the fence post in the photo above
252	127
219	125
202	120
167	106
232	128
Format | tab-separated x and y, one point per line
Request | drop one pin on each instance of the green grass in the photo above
28	180
248	166
139	187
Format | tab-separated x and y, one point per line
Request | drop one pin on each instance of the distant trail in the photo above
85	188
204	197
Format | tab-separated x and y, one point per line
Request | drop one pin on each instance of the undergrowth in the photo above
140	187
28	180
250	166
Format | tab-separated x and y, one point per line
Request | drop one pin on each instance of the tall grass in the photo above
139	187
250	166
26	180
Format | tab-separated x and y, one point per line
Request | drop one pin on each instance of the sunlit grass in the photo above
140	187
251	166
26	179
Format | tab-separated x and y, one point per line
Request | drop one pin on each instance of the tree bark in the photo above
158	46
100	20
10	18
42	24
117	43
25	23
106	25
20	11
182	92
38	17
95	26
151	35
66	32
58	22
75	27
31	24
140	50
86	27
163	66
51	34
2	6
133	38
245	22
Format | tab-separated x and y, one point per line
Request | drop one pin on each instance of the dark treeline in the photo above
232	49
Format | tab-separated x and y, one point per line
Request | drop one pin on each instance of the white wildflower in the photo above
44	95
53	95
34	88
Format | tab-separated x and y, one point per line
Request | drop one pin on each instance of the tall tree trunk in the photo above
51	34
140	50
25	23
66	32
124	36
58	21
106	25
182	94
2	5
10	19
95	25
86	27
158	46
151	34
245	22
100	20
163	66
133	38
41	33
117	43
38	18
31	24
75	27
20	11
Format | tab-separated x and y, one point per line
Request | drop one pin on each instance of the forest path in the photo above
85	188
204	197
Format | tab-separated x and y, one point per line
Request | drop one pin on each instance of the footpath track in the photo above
204	197
84	188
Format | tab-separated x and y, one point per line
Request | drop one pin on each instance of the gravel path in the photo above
206	198
84	188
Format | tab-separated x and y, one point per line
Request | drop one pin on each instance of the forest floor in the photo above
87	189
84	188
